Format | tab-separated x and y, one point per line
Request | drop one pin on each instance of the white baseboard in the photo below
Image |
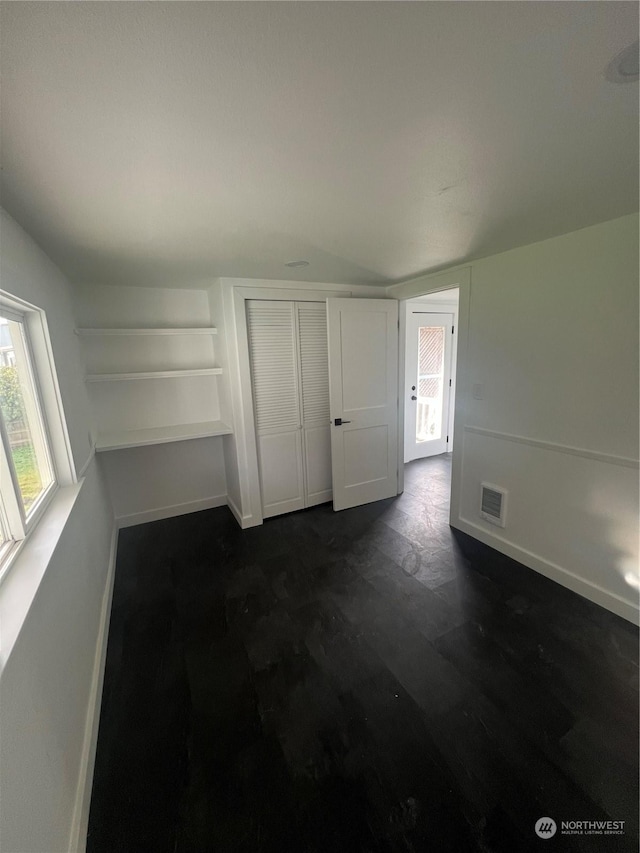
234	509
623	607
80	821
171	511
244	521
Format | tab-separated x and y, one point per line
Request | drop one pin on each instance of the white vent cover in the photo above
493	504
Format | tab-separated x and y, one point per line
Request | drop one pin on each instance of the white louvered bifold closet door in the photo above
314	373
289	372
273	353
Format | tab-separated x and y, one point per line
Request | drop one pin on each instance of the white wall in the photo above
48	682
553	345
165	480
149	483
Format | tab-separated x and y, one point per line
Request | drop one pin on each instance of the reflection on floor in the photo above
357	681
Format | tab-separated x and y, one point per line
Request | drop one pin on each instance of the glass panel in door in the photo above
430	392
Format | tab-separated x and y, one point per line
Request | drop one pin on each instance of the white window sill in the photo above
23	578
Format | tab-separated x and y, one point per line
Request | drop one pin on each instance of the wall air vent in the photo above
493	504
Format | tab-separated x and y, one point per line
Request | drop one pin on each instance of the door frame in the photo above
423	286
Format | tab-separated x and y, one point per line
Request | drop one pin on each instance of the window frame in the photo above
7	542
17	525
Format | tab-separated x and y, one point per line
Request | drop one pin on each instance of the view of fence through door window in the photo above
431	352
25	439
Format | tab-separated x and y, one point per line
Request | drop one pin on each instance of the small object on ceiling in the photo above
623	68
297	264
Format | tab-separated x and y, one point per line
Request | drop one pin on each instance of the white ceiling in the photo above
165	143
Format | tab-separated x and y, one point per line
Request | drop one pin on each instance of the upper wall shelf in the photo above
205	330
156	374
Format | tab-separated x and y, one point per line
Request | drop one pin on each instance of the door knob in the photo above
413	397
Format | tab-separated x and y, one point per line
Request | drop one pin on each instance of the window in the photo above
27	473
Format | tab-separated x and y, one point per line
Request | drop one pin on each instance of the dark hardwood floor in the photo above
368	680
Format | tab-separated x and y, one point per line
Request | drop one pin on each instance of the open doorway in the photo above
429	389
430	374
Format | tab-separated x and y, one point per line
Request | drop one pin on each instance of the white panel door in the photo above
363	383
427	383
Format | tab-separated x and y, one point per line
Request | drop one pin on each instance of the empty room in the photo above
319	371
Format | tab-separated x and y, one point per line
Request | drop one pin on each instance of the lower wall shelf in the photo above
121	439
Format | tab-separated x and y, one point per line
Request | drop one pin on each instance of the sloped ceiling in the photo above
166	143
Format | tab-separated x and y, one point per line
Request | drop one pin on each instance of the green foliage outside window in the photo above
10	395
24	459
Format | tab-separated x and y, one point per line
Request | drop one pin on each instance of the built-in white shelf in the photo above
205	330
155	374
121	439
